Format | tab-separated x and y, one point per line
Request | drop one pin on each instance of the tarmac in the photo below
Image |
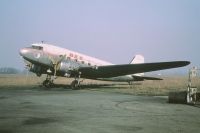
59	110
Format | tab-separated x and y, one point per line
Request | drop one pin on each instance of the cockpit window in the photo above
37	47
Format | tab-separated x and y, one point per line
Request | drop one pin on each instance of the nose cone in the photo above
23	52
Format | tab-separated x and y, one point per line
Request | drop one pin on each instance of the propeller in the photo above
27	67
56	61
27	64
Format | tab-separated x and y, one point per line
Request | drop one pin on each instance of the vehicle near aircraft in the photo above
55	61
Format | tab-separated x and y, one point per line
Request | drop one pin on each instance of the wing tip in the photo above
185	63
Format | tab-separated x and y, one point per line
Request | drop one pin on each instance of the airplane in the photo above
43	58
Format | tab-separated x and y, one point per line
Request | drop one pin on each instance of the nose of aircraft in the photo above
23	51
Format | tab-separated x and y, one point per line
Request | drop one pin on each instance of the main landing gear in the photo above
130	82
76	83
48	83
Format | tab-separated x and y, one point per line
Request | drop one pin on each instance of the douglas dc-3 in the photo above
55	61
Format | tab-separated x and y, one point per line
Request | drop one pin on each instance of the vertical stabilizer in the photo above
137	59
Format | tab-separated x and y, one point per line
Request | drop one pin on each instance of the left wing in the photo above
126	69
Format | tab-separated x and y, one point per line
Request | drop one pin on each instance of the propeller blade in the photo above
27	64
56	62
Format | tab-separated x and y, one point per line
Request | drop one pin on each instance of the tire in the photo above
75	84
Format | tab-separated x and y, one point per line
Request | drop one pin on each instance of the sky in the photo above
112	30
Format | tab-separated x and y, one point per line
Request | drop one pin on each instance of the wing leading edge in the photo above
126	69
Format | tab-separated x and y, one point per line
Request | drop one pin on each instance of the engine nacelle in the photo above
65	67
36	69
68	68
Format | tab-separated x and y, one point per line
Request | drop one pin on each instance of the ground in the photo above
99	108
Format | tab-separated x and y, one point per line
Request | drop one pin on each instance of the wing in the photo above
126	69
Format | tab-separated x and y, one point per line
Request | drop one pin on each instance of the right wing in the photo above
126	69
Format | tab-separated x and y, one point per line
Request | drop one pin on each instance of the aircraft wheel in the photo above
130	82
75	84
48	83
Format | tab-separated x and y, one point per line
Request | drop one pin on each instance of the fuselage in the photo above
43	57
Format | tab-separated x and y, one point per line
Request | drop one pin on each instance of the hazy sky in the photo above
112	30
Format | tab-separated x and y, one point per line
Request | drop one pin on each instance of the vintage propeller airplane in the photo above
55	61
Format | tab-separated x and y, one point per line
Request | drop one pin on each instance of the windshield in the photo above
37	47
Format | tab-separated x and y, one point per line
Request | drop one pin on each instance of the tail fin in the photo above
137	59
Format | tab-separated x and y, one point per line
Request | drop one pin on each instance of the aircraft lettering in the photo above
75	56
71	54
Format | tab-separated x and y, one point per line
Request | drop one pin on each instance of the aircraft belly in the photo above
118	79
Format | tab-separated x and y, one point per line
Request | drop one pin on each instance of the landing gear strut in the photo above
76	83
48	82
130	82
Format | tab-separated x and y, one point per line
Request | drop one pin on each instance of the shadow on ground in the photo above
87	86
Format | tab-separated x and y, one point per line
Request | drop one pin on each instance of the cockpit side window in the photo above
37	47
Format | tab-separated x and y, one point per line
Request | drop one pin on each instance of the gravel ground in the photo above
34	110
